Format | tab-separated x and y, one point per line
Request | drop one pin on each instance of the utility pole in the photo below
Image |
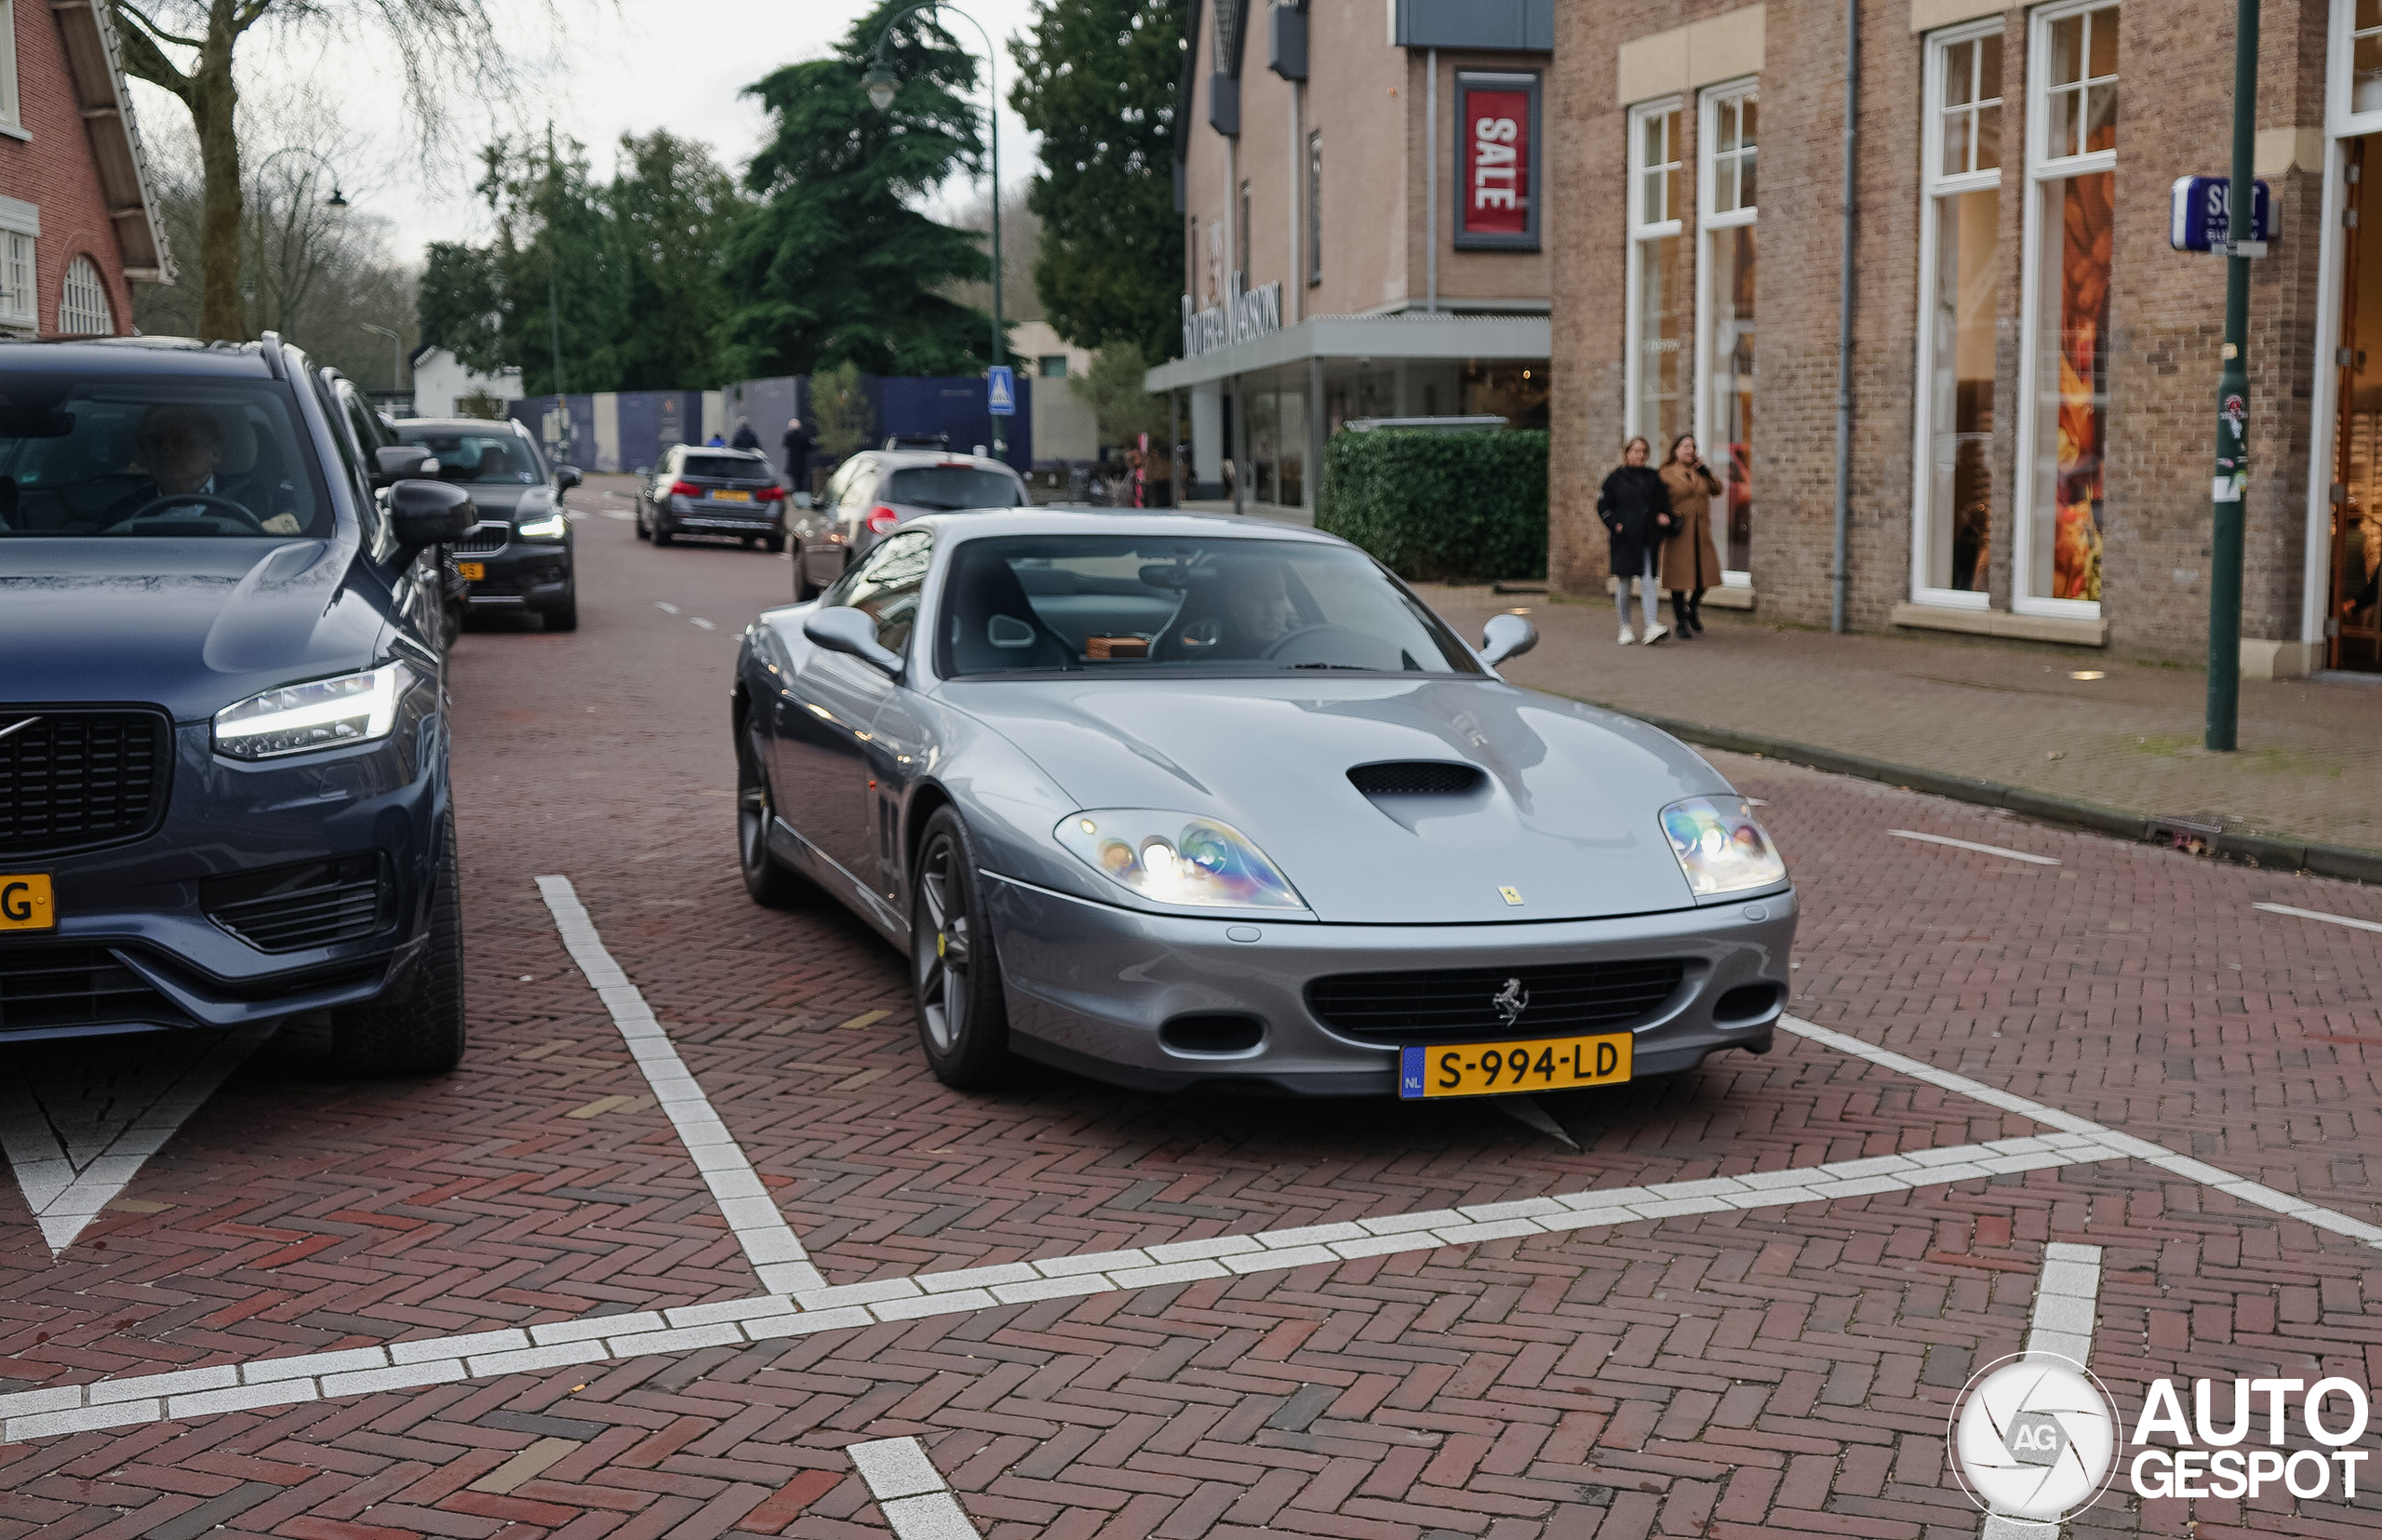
554	258
2231	484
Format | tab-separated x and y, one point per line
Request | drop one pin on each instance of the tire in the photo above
661	535
417	1028
804	589
642	533
963	1016
567	618
768	884
774	545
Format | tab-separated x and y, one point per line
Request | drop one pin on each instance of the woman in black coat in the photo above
1636	508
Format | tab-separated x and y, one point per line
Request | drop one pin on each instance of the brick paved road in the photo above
1776	1371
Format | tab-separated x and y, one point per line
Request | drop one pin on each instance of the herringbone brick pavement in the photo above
1774	1373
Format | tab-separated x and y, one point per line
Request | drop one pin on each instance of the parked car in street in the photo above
876	490
1174	800
519	558
702	489
223	710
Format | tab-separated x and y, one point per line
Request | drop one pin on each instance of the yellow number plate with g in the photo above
1536	1063
25	904
473	571
725	496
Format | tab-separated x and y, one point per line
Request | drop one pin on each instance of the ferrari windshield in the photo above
1031	604
128	456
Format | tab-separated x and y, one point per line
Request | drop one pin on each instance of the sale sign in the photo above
1494	142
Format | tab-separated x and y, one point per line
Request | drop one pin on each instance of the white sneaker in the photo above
1627	635
1656	633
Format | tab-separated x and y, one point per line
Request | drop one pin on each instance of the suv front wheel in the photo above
418	1027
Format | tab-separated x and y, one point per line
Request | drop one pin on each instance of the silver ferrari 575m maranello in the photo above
1172	800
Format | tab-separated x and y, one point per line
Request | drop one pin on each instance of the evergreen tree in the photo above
834	265
557	266
672	206
461	305
1098	79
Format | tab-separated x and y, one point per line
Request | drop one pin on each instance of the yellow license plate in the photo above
1492	1070
24	902
731	497
473	571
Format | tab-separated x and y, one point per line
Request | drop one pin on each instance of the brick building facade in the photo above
2034	369
77	221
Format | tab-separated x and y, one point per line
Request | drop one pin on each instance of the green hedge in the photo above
1440	507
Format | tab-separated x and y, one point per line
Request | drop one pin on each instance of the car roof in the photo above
122	355
465	425
1130	522
899	459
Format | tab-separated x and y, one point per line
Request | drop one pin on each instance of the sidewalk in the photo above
2308	770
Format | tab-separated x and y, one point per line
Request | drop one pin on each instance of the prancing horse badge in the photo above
1511	895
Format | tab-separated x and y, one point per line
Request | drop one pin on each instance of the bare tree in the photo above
437	47
1021	245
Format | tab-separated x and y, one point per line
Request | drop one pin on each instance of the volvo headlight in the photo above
552	527
1176	858
1719	847
324	714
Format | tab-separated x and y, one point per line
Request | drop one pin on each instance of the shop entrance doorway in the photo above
2353	623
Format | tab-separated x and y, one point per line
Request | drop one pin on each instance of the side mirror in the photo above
424	514
394	462
566	478
1506	636
851	632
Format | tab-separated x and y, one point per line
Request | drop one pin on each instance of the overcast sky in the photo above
619	66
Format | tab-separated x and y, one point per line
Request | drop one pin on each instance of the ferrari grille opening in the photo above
1213	1032
1747	1004
1482	1004
1415	778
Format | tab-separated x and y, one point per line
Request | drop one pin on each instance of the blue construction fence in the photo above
628	430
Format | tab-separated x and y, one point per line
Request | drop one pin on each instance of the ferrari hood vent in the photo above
1415	778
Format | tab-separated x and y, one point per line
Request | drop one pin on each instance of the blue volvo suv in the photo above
223	787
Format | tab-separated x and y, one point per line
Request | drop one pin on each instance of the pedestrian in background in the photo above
1635	507
1691	562
715	442
797	444
745	437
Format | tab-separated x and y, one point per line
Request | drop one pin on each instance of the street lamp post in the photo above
337	200
2231	485
397	355
882	84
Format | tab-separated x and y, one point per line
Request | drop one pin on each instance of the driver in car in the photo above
1260	605
182	445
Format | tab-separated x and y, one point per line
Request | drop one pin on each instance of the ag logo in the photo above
2034	1437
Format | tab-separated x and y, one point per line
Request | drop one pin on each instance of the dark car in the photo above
518	558
701	489
876	490
223	783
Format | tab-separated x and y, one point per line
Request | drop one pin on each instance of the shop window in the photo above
1657	280
1051	365
1240	235
1313	209
83	304
1725	332
2362	57
2064	426
1497	158
1960	293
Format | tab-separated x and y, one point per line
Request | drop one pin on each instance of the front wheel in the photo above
804	589
766	882
418	1028
963	1018
774	545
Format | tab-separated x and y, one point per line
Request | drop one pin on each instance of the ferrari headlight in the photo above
552	527
1176	858
1719	847
324	714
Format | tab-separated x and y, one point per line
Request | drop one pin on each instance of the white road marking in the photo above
2160	1156
2318	914
704	623
2066	1297
916	1502
70	1160
1971	845
615	513
666	608
752	1214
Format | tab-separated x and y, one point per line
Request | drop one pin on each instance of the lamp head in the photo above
337	200
880	83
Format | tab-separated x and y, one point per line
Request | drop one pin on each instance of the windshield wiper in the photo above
1358	668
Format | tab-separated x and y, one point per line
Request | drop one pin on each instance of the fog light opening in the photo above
1747	1005
1212	1033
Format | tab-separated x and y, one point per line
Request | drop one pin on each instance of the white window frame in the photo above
1641	229
20	221
83	262
12	112
1934	183
1708	225
2041	170
2340	77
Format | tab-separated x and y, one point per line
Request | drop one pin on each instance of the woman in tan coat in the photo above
1691	562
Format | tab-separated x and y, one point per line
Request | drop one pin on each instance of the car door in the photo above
420	582
824	714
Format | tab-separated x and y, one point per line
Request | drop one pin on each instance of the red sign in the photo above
1497	163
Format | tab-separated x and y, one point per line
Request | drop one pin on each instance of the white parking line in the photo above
2066	1301
916	1502
2318	914
769	1243
666	607
704	623
1971	845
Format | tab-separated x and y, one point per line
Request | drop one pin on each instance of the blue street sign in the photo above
1000	390
2198	213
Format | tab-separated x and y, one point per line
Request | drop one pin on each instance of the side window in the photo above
358	432
885	586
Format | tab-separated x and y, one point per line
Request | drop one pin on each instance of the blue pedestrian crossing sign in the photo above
1000	389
